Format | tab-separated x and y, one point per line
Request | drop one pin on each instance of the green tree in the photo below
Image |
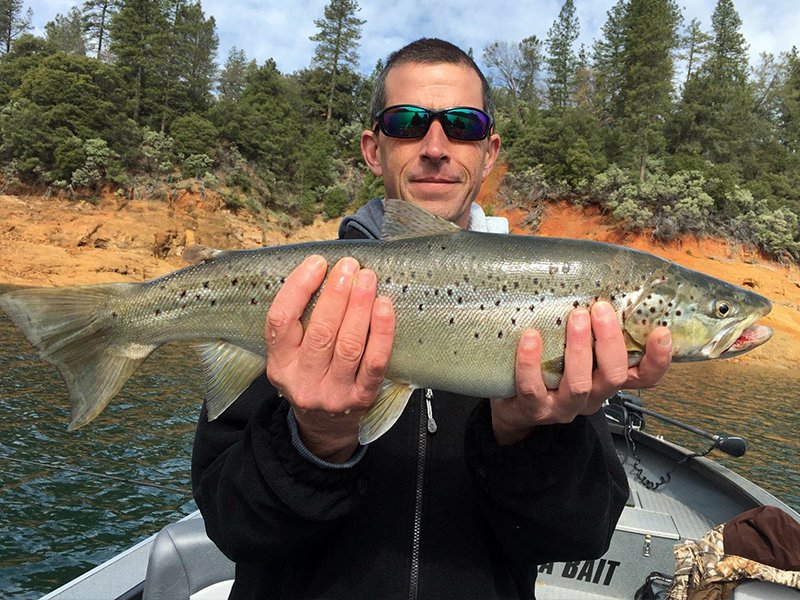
13	22
715	118
65	33
233	77
694	44
337	43
645	101
140	41
561	60
193	51
27	52
608	64
61	103
97	16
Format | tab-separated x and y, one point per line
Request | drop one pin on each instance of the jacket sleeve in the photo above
259	497
555	496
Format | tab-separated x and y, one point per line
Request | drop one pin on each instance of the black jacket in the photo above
437	515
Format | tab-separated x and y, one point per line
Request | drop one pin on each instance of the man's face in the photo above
434	172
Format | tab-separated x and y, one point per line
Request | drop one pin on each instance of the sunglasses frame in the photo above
434	115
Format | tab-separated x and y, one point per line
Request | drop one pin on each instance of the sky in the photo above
280	29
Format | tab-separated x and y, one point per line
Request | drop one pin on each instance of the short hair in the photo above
427	51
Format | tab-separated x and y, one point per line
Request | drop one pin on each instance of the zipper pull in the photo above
432	427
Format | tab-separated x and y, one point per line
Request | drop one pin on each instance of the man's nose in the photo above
435	144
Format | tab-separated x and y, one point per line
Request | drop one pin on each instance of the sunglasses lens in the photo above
466	124
405	122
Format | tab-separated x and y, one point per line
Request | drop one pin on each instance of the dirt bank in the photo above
55	242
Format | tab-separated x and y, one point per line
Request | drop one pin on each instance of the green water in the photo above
56	524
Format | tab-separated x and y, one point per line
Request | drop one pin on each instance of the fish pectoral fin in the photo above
390	404
552	370
229	370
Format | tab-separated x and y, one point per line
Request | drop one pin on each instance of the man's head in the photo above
439	173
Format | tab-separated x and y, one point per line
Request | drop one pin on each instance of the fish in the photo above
462	300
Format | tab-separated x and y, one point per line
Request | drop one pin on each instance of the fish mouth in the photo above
749	338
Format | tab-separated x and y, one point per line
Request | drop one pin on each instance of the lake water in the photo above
56	524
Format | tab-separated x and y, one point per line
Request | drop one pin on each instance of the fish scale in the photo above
462	301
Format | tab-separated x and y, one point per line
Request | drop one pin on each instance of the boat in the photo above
676	495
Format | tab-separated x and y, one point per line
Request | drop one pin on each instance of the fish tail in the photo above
73	329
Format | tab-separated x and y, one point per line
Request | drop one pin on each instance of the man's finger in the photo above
352	337
376	357
609	350
656	360
283	331
576	384
322	330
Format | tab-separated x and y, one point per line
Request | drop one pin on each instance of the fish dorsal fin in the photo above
196	254
229	371
403	220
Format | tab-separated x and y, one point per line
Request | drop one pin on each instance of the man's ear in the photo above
371	151
492	151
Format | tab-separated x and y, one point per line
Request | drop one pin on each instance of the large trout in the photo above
462	300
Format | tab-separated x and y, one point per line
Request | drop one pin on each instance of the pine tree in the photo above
193	52
140	41
607	64
233	77
695	44
337	43
97	15
561	60
65	33
13	22
715	119
650	38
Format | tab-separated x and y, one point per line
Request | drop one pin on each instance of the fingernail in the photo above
528	341
315	262
580	316
603	310
348	266
365	279
665	340
383	307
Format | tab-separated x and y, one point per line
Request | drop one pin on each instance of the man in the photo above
463	497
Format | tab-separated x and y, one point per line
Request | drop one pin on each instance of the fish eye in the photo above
723	308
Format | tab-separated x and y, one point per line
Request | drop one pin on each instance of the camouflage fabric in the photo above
704	572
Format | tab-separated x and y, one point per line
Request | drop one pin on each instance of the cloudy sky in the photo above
280	29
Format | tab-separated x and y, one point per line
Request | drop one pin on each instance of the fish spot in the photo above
206	284
388	281
500	334
452	320
531	307
477	335
483	307
436	292
558	321
420	340
183	294
283	280
504	288
405	289
253	284
678	313
197	296
253	301
513	321
267	286
664	323
460	300
213	302
652	309
563	285
449	292
466	278
183	306
497	303
234	281
420	307
516	285
158	311
114	314
576	304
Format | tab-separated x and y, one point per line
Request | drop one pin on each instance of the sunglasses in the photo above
461	123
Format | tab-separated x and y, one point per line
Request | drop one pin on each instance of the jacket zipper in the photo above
427	425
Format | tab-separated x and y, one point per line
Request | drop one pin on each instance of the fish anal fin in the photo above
403	220
229	370
391	402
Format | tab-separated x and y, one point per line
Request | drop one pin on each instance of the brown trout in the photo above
462	300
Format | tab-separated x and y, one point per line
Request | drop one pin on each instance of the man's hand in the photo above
331	372
582	389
